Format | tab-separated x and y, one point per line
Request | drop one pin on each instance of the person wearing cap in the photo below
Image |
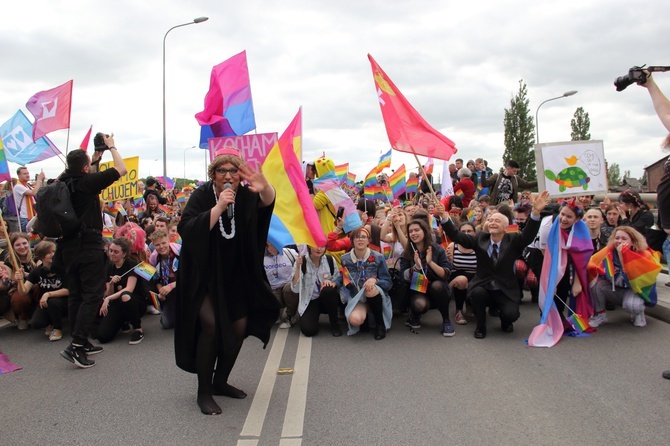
505	186
223	294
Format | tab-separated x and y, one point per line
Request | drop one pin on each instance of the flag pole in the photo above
425	178
67	142
10	248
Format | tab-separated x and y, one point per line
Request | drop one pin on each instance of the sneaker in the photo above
459	318
447	329
56	335
23	325
153	310
48	330
91	349
289	322
414	321
77	356
125	328
639	320
136	337
598	319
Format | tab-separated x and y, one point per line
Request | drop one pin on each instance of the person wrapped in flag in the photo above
425	267
364	286
624	273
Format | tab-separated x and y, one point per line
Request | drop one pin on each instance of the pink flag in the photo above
228	106
84	143
406	129
51	109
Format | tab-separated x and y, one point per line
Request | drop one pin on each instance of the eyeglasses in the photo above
361	237
223	171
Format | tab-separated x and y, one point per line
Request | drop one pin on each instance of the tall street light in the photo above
197	20
186	150
537	128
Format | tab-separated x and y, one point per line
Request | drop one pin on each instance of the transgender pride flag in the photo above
330	185
228	107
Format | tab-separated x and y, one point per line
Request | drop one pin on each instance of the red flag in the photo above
51	109
429	166
407	130
84	143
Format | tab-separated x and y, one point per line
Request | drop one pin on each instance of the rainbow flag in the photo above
111	209
419	283
145	270
5	175
181	197
373	192
176	239
33	239
578	322
341	172
641	268
397	181
387	251
512	229
107	234
412	185
294	219
139	204
155	300
351	179
346	276
460	193
471	215
384	161
371	178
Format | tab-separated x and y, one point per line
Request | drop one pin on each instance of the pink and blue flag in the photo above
5	175
18	141
228	109
330	186
51	109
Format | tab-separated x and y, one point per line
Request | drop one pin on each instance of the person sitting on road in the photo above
122	302
314	278
424	265
629	256
464	262
51	295
495	284
364	285
279	271
165	258
23	305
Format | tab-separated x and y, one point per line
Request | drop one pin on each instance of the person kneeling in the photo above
364	285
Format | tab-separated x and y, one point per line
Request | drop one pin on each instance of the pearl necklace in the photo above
232	220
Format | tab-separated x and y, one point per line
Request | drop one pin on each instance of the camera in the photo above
636	75
99	142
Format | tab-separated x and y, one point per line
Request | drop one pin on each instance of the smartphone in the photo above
340	212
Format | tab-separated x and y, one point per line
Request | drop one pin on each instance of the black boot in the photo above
377	311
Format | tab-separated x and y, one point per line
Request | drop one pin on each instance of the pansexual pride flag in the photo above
145	270
398	182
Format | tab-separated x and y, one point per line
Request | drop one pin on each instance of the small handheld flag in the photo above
419	283
145	270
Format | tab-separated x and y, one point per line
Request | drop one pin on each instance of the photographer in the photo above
154	187
81	255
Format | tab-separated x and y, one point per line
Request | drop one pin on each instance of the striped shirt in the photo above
464	262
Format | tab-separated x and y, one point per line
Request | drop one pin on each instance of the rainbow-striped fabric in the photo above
398	182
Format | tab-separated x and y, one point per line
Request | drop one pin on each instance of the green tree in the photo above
520	134
580	125
613	174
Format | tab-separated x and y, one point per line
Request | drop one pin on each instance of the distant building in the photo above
653	174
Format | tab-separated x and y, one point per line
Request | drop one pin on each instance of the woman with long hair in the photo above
638	215
424	265
464	261
624	273
22	304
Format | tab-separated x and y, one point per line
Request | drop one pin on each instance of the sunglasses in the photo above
223	171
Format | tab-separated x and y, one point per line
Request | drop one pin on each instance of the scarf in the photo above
29	200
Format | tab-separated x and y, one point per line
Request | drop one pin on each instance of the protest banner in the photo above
126	186
253	148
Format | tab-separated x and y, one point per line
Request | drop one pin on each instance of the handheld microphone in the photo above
227	186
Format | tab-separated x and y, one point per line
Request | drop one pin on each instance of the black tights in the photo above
207	353
437	296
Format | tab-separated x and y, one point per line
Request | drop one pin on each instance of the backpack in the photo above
331	264
55	212
9	206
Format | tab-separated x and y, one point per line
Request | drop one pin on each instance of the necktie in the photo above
494	252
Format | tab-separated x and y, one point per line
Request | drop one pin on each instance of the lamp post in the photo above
537	128
195	21
186	150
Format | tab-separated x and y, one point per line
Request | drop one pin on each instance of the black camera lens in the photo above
622	82
99	142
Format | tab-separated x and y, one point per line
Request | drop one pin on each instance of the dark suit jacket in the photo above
502	272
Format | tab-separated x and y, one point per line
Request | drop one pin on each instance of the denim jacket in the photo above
373	266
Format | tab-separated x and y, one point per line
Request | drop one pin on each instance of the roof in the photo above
662	160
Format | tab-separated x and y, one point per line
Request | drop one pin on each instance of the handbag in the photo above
398	291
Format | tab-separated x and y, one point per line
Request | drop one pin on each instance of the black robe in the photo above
204	266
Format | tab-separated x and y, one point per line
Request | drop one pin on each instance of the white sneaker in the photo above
639	320
56	335
598	319
153	310
289	322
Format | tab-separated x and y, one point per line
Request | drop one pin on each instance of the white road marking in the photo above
297	399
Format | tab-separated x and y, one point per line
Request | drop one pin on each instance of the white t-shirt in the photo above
21	200
279	268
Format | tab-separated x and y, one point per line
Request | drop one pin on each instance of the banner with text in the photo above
253	148
126	186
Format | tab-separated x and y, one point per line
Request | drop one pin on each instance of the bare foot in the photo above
207	405
229	391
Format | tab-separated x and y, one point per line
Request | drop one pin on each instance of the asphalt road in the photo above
409	389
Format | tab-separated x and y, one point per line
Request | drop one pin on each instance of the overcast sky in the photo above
458	63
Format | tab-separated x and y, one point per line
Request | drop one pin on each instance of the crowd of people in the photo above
216	279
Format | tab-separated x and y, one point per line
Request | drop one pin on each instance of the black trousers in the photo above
120	312
481	298
53	314
327	302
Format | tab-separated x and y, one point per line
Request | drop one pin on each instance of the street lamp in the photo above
537	128
186	150
197	20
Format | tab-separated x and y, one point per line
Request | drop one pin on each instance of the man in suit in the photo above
495	283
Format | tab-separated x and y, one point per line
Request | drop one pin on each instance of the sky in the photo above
459	64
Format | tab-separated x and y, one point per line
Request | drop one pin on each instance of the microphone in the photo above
227	186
